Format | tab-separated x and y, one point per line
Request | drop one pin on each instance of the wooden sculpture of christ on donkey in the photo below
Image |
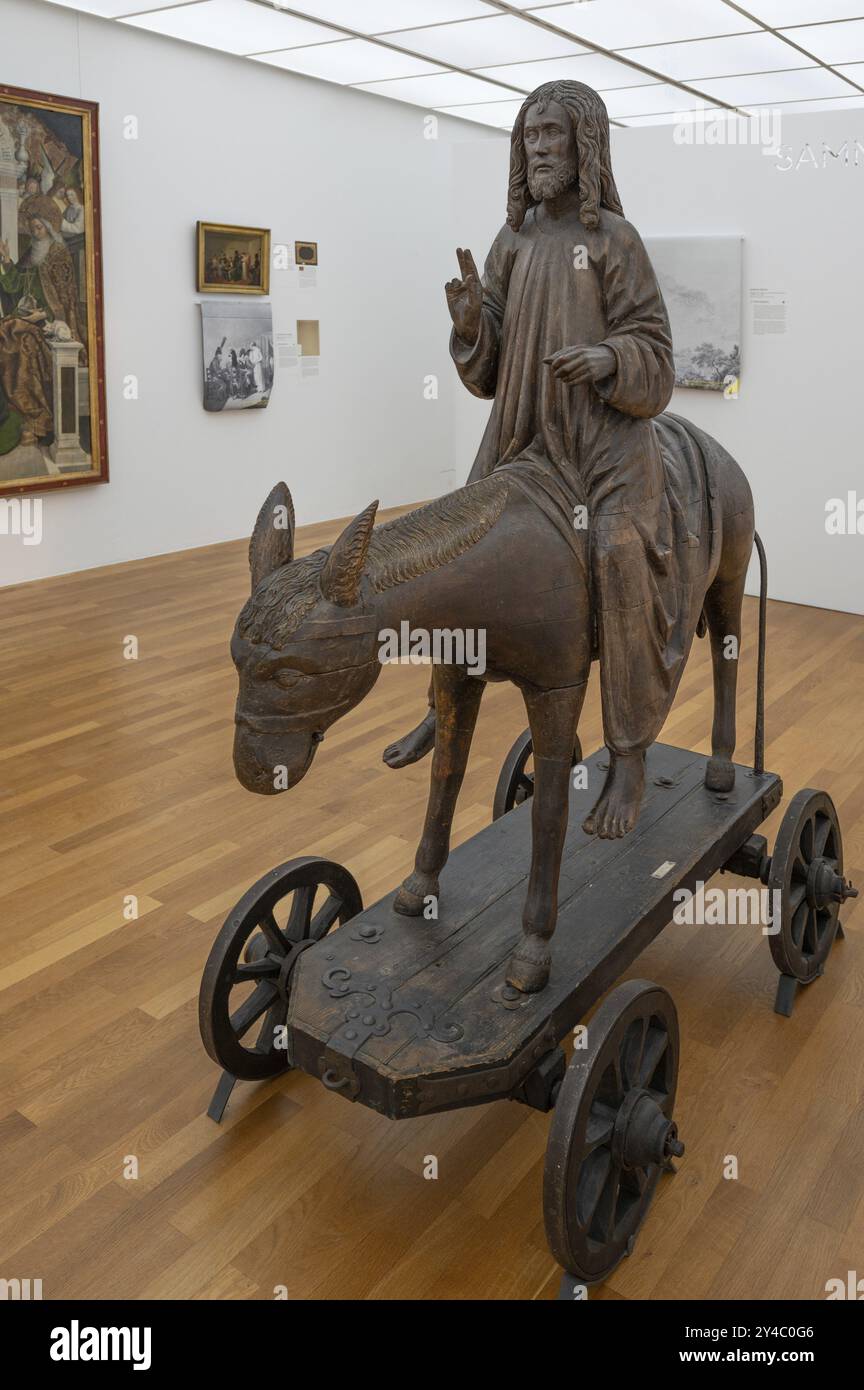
568	333
594	525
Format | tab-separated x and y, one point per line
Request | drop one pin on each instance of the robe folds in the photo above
553	284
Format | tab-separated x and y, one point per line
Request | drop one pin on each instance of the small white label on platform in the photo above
664	869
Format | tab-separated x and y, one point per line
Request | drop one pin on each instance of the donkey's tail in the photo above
759	741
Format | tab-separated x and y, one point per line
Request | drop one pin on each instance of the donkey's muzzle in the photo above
268	761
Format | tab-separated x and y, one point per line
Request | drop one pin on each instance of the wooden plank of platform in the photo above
614	897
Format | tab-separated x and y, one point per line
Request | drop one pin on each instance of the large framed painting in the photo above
53	430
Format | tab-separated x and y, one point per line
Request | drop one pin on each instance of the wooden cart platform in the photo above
411	1016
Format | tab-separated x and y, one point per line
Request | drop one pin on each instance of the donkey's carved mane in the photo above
434	535
401	549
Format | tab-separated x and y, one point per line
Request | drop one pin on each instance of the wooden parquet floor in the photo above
116	780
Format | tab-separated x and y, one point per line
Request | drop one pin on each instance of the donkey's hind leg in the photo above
723	611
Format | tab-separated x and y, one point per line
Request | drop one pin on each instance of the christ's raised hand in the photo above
465	298
581	364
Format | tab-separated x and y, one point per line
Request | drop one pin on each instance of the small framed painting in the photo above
233	260
306	252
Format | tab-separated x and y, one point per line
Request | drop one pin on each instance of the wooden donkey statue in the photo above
484	558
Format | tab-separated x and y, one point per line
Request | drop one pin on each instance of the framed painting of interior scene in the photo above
233	260
52	377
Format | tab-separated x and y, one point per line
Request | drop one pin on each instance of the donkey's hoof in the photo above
720	775
529	975
413	895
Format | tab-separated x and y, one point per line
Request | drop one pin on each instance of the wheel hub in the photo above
643	1134
825	885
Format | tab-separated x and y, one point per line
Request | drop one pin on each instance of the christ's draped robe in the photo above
596	446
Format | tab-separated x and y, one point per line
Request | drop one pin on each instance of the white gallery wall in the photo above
796	425
225	140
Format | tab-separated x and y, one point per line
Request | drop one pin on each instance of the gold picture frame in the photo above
306	252
233	260
53	426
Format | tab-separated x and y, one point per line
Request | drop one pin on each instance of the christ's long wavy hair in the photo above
591	131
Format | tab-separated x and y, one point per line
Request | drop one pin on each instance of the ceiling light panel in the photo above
110	9
803	85
348	61
376	16
826	104
484	42
718	57
625	23
667	117
495	113
234	26
833	43
648	101
591	68
447	89
779	13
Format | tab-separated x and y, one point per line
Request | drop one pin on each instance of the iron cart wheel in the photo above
612	1133
807	871
516	779
247	977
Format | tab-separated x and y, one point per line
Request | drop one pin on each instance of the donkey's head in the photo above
305	645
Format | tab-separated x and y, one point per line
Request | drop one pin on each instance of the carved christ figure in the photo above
568	333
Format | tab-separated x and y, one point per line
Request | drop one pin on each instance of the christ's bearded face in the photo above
550	148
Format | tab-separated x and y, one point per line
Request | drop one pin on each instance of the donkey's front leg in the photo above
457	700
553	716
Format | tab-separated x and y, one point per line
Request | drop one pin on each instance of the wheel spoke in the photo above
251	971
656	1043
796	897
632	1049
274	1017
598	1131
593	1176
274	934
810	941
252	1008
297	926
604	1216
806	838
823	830
325	917
797	925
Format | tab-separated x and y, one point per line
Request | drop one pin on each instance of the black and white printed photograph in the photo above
238	355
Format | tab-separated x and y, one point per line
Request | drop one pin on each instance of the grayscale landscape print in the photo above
700	277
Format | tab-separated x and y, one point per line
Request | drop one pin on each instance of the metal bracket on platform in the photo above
751	860
485	1083
541	1086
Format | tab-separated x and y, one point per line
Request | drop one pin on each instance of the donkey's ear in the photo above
272	543
341	575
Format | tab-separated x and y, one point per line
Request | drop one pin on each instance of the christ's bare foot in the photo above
414	746
617	807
